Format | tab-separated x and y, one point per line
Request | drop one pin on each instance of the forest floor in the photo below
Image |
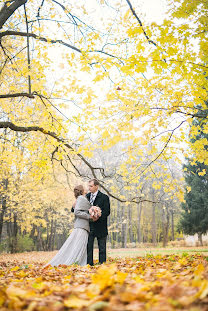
151	279
42	257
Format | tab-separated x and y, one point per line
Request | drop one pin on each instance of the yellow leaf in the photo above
134	31
188	188
14	291
74	302
203	291
202	173
104	276
199	270
15	268
120	277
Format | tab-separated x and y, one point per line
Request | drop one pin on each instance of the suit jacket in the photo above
99	227
81	212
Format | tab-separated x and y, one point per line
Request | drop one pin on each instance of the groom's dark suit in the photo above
98	229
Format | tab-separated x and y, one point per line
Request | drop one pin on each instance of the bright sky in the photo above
154	9
147	10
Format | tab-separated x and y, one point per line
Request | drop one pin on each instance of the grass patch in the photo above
154	251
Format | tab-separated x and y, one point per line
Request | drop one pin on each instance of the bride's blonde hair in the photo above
78	190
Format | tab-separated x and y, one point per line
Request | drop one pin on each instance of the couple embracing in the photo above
91	212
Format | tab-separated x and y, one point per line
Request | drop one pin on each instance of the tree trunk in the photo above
12	230
15	230
49	246
114	234
172	226
119	222
40	245
139	211
154	228
9	234
166	219
2	215
47	231
123	229
109	237
130	224
53	235
200	239
4	206
125	235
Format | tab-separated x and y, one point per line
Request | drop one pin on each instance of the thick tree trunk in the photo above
7	11
40	245
12	229
200	239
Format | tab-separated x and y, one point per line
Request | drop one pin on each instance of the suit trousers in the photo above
101	246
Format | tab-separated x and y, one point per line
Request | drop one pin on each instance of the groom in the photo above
98	228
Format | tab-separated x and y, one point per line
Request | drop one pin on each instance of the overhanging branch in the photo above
7	10
33	35
17	95
24	129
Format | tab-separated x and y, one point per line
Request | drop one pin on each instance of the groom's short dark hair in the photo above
95	181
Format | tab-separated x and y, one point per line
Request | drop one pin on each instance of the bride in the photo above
74	250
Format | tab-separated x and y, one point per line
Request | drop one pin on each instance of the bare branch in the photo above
73	17
40	7
24	129
24	34
17	128
17	95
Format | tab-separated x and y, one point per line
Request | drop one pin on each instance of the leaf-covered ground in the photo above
156	283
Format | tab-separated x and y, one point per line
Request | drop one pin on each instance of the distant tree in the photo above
194	218
195	208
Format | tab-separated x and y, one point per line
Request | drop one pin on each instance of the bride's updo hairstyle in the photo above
78	190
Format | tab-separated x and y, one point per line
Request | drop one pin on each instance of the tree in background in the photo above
147	75
141	88
195	208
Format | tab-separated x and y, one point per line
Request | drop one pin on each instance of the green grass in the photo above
154	251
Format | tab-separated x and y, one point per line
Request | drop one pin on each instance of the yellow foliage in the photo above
152	86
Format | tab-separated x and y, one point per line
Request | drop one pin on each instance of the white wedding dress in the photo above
74	249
